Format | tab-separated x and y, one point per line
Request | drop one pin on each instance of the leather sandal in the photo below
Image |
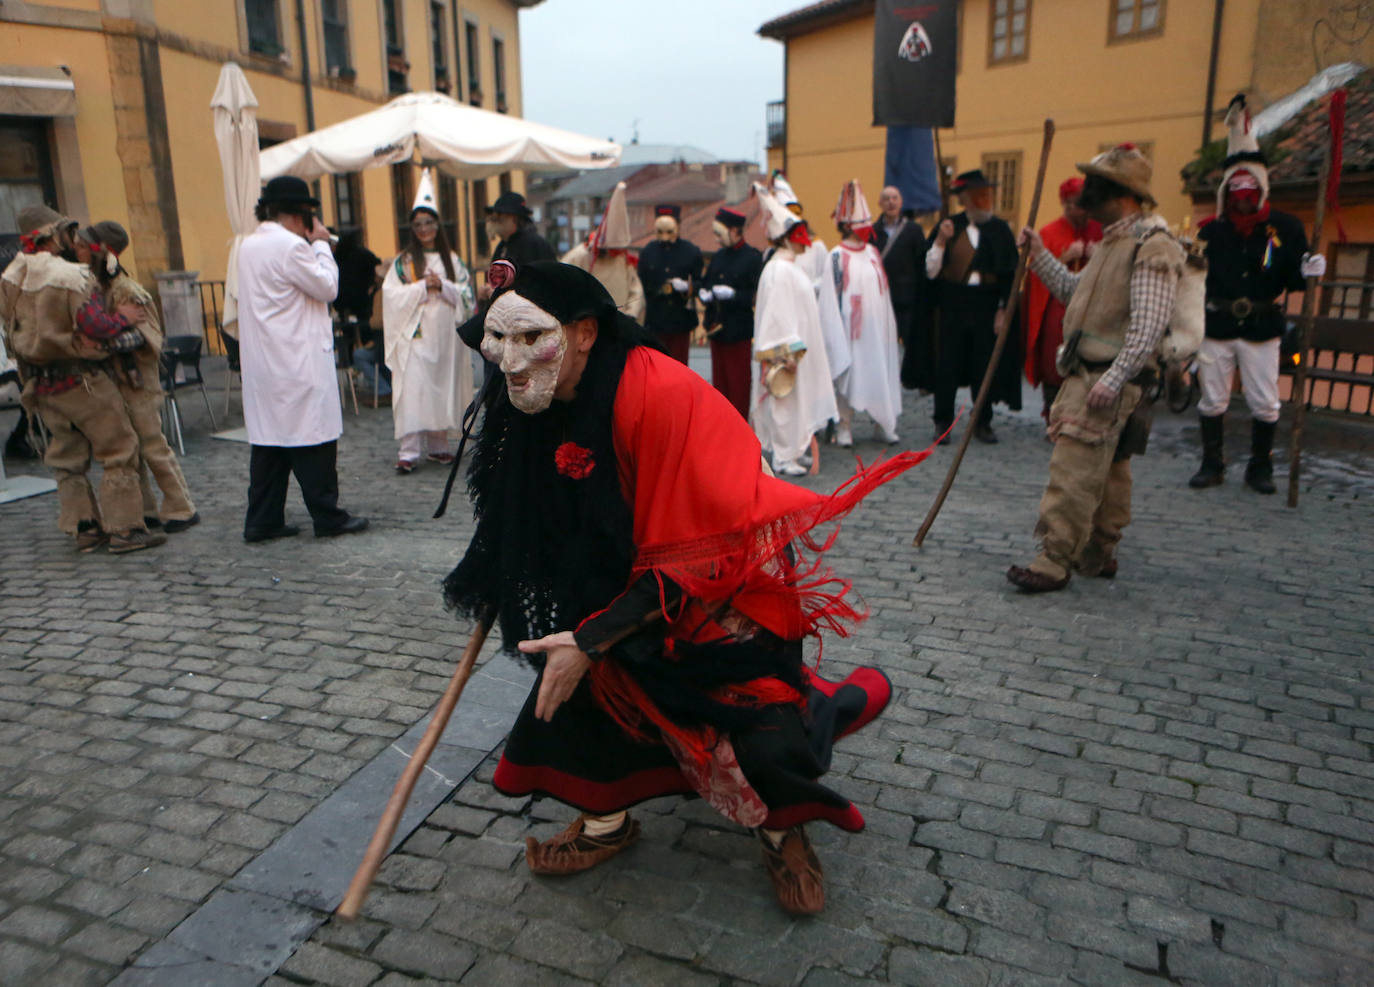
573	851
1035	582
795	871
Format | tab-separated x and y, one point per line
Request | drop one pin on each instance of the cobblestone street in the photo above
1161	778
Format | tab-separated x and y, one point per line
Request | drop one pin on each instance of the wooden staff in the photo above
986	387
400	795
1309	305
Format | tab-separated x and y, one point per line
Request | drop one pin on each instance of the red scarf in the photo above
1245	223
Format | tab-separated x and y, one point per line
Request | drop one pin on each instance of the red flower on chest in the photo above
573	461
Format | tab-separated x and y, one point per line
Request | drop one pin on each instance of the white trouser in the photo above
1259	376
413	444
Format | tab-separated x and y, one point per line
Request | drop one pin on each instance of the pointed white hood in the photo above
782	190
614	231
776	218
424	194
852	209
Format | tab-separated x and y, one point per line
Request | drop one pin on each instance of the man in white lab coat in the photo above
287	277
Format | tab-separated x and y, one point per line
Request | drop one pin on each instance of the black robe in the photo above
965	336
905	264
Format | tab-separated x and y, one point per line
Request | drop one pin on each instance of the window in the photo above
334	18
1004	168
448	208
26	174
437	49
396	64
1008	31
1131	19
472	42
402	197
264	27
503	181
348	203
479	215
498	71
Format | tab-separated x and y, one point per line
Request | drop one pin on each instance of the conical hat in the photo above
852	209
782	190
1242	151
424	195
776	218
614	231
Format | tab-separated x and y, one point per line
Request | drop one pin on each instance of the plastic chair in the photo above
182	352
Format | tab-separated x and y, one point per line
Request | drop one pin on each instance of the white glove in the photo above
723	292
705	295
679	285
1313	266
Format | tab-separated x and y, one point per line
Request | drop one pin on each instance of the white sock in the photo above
601	825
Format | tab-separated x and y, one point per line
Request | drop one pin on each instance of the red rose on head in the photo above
500	274
573	461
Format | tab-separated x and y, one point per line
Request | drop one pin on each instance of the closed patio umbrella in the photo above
236	132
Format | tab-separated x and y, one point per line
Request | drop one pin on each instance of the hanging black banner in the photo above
914	49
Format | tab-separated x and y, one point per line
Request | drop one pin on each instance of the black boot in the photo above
1213	469
1259	474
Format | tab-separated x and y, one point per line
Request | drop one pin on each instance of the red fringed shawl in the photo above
707	518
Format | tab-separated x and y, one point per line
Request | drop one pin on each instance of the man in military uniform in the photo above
1254	254
669	268
57	330
727	291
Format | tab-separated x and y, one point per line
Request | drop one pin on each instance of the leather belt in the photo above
1240	308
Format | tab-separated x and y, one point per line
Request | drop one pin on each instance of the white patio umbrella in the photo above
236	132
463	141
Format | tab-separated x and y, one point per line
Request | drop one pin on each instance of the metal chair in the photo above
182	353
345	338
234	368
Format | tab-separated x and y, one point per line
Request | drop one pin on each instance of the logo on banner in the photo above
915	43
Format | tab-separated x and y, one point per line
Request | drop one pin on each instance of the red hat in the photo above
667	210
1070	188
729	217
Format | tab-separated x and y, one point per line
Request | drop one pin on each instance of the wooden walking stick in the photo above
400	795
986	387
1309	306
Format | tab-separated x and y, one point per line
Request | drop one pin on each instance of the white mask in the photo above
528	344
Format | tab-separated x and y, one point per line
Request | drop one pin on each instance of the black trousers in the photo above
269	469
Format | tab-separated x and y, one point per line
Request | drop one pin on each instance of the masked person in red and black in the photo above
1071	239
727	291
669	268
628	542
1254	255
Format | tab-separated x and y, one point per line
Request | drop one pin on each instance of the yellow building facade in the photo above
1106	71
105	108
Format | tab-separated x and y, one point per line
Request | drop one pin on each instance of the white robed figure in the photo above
426	294
791	396
605	254
872	382
814	262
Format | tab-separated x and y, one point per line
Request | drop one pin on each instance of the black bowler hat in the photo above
288	190
512	204
971	180
667	210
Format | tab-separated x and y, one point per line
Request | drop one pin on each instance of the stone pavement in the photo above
1161	778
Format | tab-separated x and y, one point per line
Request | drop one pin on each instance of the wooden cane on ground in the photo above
1309	303
1010	312
400	795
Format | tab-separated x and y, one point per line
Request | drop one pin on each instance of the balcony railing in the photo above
776	116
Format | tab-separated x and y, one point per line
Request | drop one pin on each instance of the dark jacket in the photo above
1236	269
994	260
666	310
523	246
739	267
905	262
